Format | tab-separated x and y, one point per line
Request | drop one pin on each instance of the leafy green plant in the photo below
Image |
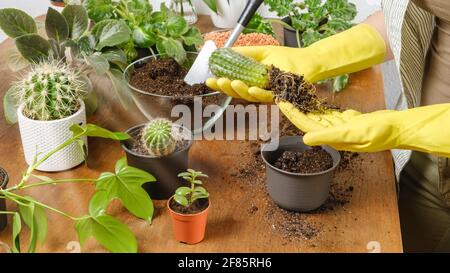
50	91
158	137
162	32
259	25
186	196
90	52
314	20
123	184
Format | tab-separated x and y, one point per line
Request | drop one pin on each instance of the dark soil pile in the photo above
313	160
199	205
137	146
298	91
166	77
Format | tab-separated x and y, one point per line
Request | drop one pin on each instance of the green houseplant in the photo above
189	208
123	184
92	52
50	99
162	32
308	21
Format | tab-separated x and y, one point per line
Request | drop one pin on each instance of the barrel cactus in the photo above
158	137
50	91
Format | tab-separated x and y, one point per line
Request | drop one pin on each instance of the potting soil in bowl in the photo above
314	160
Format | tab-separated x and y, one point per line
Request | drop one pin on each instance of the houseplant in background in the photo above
308	21
50	100
189	208
161	148
225	13
186	9
125	184
152	32
91	52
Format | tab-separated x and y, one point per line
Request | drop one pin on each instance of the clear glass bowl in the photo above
160	106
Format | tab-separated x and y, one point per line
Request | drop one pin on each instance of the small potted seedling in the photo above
161	148
3	183
189	208
299	176
50	101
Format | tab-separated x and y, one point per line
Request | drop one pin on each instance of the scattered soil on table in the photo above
199	205
137	146
296	226
313	160
166	77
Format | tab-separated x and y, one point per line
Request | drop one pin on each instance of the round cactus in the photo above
50	91
158	137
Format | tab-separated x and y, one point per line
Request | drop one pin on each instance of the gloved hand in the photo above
421	129
350	51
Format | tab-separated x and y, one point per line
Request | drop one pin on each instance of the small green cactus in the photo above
158	137
50	91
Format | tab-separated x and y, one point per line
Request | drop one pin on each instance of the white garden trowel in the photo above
199	71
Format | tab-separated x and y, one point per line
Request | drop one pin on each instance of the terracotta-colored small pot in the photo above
189	228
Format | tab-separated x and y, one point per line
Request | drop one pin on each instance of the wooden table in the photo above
370	219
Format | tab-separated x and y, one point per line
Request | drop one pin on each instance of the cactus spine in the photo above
50	91
158	137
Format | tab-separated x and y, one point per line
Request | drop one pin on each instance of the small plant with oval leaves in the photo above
186	196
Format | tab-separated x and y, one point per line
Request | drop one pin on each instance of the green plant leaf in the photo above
98	204
193	37
120	86
92	130
33	47
199	195
181	199
77	19
171	48
177	26
340	82
84	229
82	146
200	190
56	25
35	219
144	37
99	10
116	56
86	44
183	191
113	235
10	104
16	229
212	5
16	23
126	185
111	33
99	63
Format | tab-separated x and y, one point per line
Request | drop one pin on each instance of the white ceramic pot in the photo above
44	136
228	13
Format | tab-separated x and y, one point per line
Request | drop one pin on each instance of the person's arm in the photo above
377	21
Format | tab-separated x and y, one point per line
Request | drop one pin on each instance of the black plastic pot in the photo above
290	36
3	184
293	191
164	169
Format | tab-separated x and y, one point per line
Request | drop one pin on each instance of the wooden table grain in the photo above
369	221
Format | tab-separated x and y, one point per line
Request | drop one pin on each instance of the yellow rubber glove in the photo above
421	129
350	51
